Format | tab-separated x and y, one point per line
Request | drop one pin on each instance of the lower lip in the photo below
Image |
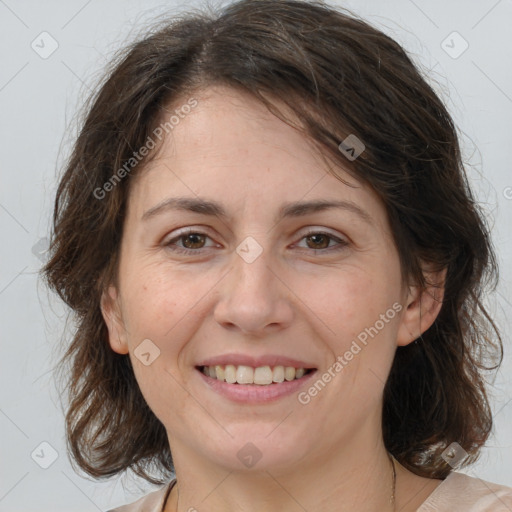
254	393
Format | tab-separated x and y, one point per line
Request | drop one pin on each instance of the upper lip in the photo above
255	362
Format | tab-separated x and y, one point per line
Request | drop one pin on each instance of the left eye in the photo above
193	241
193	238
319	239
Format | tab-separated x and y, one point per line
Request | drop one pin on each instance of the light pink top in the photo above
457	493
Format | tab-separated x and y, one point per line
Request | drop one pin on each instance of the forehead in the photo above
228	124
232	148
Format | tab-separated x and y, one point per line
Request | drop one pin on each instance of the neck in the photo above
355	477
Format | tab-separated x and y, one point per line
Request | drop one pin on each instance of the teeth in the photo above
219	372
278	374
263	375
230	374
299	373
289	373
244	375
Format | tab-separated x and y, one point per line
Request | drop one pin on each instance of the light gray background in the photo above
39	99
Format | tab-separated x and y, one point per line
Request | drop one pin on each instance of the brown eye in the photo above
322	242
319	241
189	242
193	240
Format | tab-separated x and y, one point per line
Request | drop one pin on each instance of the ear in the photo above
422	307
111	311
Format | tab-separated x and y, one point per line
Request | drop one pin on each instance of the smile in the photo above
255	385
261	376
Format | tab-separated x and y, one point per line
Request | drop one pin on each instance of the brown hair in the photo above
339	76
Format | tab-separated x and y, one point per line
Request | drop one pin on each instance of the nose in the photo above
254	297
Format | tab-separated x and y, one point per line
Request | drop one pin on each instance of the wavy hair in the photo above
338	75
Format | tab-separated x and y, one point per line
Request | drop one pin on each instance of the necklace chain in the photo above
393	488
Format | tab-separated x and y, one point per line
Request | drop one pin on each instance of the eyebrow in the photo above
287	210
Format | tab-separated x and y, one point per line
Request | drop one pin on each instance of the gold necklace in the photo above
393	488
391	500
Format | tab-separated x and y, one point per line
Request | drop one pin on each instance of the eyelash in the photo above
172	246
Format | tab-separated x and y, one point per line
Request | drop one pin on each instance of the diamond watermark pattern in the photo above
146	352
454	455
249	249
249	455
40	249
351	147
454	45
44	455
44	45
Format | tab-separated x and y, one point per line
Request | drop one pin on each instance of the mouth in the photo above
254	376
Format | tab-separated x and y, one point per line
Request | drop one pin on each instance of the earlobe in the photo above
421	308
113	319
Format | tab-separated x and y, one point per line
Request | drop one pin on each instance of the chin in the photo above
255	450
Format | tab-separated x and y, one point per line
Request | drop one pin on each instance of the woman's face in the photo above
261	285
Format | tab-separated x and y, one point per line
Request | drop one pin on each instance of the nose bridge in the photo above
252	267
253	297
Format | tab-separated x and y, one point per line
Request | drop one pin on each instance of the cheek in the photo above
368	325
162	309
349	301
157	298
157	316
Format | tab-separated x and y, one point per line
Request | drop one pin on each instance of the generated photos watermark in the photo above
342	361
351	147
158	133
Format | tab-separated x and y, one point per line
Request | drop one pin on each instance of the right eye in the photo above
190	237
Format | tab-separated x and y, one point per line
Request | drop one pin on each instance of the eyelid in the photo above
310	230
202	230
318	230
342	240
171	243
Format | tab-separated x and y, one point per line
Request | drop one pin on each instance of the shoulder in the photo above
152	502
460	492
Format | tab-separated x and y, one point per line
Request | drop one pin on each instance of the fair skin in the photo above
305	297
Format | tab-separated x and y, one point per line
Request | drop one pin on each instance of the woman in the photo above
276	263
